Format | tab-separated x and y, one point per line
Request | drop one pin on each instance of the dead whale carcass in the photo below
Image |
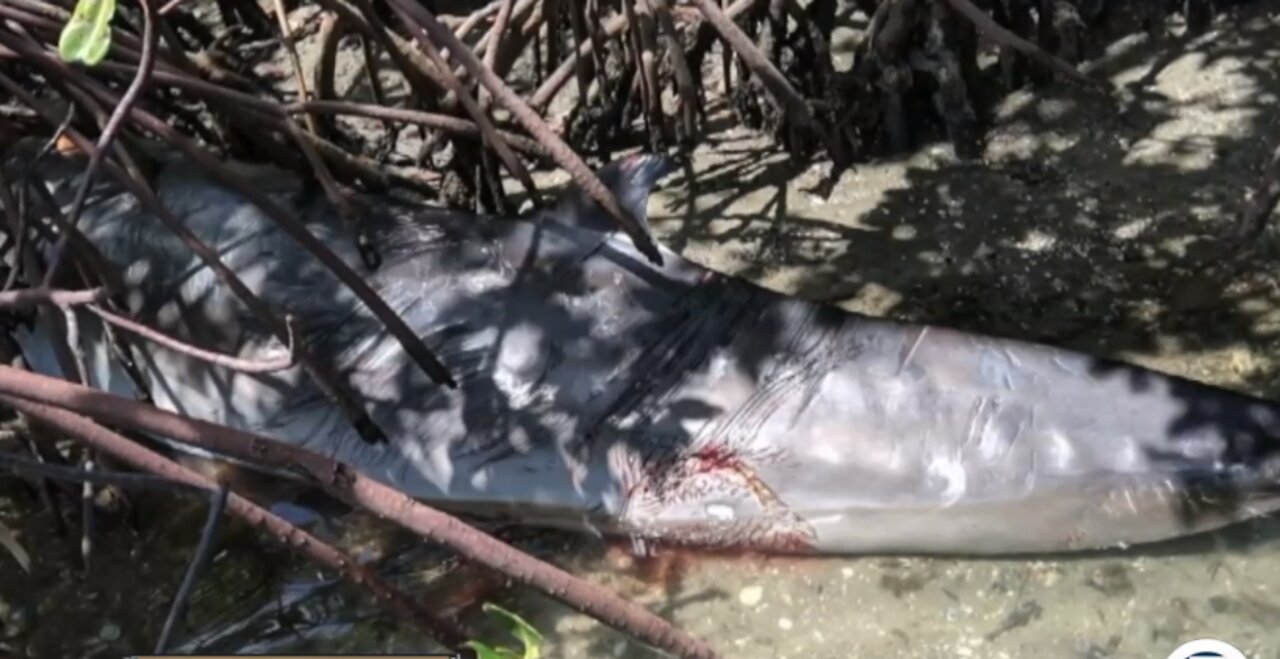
668	402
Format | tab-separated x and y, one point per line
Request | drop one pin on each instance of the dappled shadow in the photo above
597	391
1089	226
1085	227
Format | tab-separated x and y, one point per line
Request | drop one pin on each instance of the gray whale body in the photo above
666	403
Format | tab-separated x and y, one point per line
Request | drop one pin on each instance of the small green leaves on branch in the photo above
87	36
530	639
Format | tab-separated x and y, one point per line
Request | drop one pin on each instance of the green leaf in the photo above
485	652
522	630
87	36
10	541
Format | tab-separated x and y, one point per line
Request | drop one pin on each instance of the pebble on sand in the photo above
751	595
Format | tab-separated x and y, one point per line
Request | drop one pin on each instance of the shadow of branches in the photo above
1100	231
1084	228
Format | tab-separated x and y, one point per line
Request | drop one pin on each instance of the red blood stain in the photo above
715	458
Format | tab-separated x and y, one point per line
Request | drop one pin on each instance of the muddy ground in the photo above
1086	224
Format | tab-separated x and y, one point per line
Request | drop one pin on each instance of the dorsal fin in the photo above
630	179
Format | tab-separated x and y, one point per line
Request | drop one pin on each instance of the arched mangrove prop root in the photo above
352	485
506	50
470	22
443	122
492	138
94	435
647	40
581	65
246	105
421	77
232	98
556	81
415	14
612	27
291	49
690	99
495	42
324	378
760	65
525	24
317	130
1004	37
331	31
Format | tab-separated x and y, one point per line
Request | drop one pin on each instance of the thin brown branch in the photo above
230	99
556	81
38	469
412	344
689	97
458	93
345	207
16	222
1004	37
241	365
469	23
131	95
525	22
86	257
73	342
325	71
53	17
726	53
597	54
418	15
324	378
421	76
582	66
491	136
353	485
633	40
647	40
94	435
299	76
390	129
495	42
761	66
443	122
29	297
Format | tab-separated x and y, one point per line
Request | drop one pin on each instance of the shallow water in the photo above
1083	227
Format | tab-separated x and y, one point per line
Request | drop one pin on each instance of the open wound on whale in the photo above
709	496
